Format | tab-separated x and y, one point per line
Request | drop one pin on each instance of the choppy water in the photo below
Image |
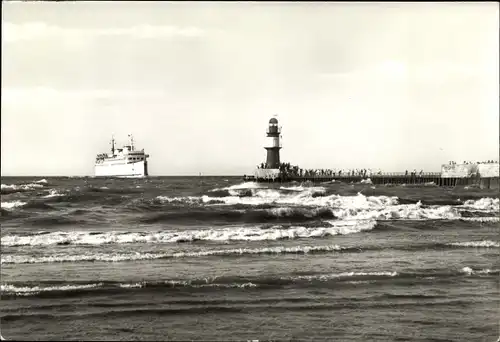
185	258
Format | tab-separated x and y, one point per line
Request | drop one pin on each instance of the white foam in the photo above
129	286
366	181
308	189
325	277
481	219
209	283
484	243
25	290
53	193
486	203
242	186
293	188
467	270
21	187
234	285
290	211
188	199
222	234
21	259
399	212
12	204
305	198
300	196
28	291
42	181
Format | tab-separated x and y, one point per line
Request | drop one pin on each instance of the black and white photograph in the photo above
250	171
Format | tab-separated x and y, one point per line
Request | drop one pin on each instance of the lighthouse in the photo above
273	145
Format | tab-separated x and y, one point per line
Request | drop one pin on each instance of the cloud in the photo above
37	95
39	30
400	71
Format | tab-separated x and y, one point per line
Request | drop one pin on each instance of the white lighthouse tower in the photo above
270	169
273	145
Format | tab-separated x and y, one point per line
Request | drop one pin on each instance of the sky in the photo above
393	86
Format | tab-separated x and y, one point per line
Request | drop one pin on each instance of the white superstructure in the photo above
122	162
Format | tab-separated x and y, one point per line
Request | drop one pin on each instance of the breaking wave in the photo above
12	204
358	207
485	243
234	252
55	289
222	234
236	190
487	203
324	277
400	212
469	271
304	198
295	214
29	290
307	196
301	188
26	205
119	257
12	188
481	219
53	193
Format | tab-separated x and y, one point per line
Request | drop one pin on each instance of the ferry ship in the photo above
122	162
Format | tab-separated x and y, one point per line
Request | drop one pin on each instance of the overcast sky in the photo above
381	85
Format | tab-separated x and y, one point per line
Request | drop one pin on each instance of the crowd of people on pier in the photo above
414	173
469	162
288	170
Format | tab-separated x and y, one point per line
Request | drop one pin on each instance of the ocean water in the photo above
213	258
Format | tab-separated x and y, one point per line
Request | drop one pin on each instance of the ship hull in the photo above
129	170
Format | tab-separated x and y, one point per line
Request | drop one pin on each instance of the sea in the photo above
219	259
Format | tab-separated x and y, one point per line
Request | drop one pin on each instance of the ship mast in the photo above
113	144
131	142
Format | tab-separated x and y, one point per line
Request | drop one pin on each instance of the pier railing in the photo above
394	178
404	174
373	175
